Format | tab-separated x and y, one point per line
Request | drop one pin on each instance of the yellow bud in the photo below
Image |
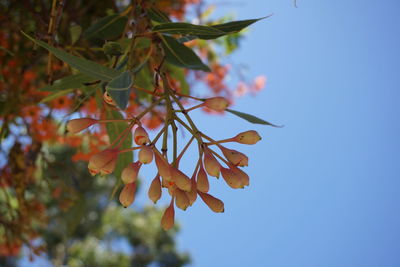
155	189
129	173
218	103
231	178
202	180
213	203
103	162
127	195
77	125
145	155
211	163
235	157
167	220
140	136
181	199
249	137
162	165
180	179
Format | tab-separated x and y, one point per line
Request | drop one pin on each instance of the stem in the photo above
158	136
129	149
155	103
122	133
221	158
183	151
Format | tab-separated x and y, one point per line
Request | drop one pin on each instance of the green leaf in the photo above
113	130
236	26
158	15
72	81
56	94
106	28
181	55
251	118
179	75
189	29
85	66
75	32
119	89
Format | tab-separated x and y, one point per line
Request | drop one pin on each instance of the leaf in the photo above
119	89
181	55
236	26
158	15
189	29
106	28
72	81
251	118
87	67
75	32
179	75
113	130
56	94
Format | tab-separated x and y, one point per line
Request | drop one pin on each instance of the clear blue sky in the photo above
325	188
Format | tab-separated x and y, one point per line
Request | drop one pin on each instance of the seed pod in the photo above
249	137
211	163
218	103
235	157
103	162
140	136
129	173
181	199
167	220
155	189
77	125
146	155
202	180
181	180
231	178
213	203
127	195
162	165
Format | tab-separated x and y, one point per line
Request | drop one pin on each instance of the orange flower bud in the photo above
181	199
181	180
249	137
192	194
202	180
127	195
103	162
155	189
162	165
145	155
231	178
140	136
218	103
108	99
211	163
77	125
235	157
167	220
244	178
213	203
129	173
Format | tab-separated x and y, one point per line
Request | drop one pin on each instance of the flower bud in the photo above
181	180
202	180
145	155
181	199
249	137
162	165
218	103
108	99
127	195
140	136
167	220
192	194
129	173
77	125
213	203
211	163
155	189
235	157
244	178
103	162
231	178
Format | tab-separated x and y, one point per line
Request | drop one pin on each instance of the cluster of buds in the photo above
182	189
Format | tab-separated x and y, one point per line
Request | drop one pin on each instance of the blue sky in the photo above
325	188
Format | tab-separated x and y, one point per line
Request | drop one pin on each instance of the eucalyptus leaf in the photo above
75	32
107	28
56	94
189	29
119	89
85	66
251	118
158	15
74	81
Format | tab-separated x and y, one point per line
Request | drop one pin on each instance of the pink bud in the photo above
192	194
248	137
211	163
103	162
145	155
213	203
181	199
181	180
167	220
218	103
127	195
202	180
129	173
235	157
231	178
77	125
244	178
140	136
108	99
155	189
162	165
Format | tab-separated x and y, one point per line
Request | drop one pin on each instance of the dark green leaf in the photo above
236	26
69	82
75	32
56	94
113	130
186	38
119	89
189	29
251	118
87	67
106	28
158	16
181	55
179	75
